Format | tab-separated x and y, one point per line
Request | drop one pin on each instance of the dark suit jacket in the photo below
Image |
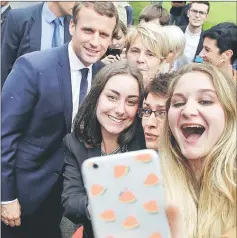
4	15
36	115
22	34
74	197
200	44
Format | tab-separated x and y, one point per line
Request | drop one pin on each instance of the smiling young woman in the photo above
198	149
106	123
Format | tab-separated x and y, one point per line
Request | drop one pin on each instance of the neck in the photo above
194	29
53	7
109	142
196	166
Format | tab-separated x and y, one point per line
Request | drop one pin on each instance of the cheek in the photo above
131	112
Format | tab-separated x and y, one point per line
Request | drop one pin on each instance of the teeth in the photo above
115	119
91	51
192	126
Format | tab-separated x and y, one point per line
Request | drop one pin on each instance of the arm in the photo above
19	96
11	38
74	197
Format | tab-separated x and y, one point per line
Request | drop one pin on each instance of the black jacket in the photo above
200	44
74	197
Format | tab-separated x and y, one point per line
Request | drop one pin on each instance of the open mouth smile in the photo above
192	132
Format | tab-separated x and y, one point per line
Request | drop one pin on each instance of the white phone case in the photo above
126	195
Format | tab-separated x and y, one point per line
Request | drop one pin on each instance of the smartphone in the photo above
114	52
126	195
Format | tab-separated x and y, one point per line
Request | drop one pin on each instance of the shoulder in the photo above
98	66
73	145
24	14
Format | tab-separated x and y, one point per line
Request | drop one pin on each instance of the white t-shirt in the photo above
192	41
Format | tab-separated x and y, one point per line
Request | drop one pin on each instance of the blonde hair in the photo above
176	39
211	211
152	37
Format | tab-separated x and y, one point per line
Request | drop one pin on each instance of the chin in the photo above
192	154
153	146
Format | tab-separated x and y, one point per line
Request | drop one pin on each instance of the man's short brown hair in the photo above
153	12
159	85
103	8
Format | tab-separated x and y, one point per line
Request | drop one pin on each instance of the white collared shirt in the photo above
4	8
75	66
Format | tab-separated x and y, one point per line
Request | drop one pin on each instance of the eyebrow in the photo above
199	91
157	105
117	93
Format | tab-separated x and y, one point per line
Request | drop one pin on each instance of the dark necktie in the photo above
84	85
56	41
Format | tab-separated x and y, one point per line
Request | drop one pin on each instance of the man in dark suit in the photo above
31	29
197	14
39	101
5	8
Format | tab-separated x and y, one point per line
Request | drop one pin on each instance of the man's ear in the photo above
72	27
227	55
188	13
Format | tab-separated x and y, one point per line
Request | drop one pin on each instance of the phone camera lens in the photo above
95	166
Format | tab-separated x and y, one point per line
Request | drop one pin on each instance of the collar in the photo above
192	34
75	63
49	16
4	8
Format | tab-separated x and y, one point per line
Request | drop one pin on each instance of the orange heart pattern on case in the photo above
97	190
151	180
130	223
155	235
120	171
151	207
108	216
127	197
145	158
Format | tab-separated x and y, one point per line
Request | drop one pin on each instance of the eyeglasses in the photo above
146	113
195	12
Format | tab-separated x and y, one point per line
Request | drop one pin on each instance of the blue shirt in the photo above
48	28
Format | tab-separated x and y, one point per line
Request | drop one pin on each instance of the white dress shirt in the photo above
75	66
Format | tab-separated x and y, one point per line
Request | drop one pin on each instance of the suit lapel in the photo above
67	36
64	77
36	28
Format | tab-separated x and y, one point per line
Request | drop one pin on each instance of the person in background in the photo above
175	11
147	48
5	8
118	42
125	12
38	27
153	109
220	47
176	59
198	150
183	19
105	124
40	99
198	14
156	14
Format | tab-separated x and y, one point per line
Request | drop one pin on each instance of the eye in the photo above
178	104
111	97
104	35
132	102
150	54
205	102
87	30
134	51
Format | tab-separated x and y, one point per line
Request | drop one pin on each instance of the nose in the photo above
151	121
120	108
202	53
114	43
95	40
140	58
190	109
